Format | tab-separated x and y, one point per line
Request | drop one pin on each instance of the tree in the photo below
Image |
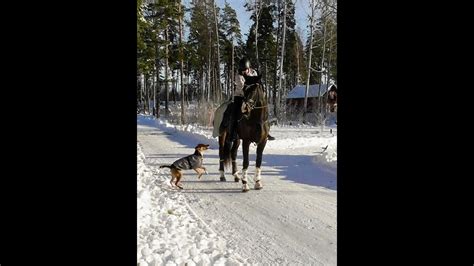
231	38
266	42
282	56
181	57
218	64
324	48
255	6
311	19
203	47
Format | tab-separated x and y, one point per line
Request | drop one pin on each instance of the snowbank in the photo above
168	231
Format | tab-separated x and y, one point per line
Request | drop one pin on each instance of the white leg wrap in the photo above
245	186
257	174
244	174
257	179
222	173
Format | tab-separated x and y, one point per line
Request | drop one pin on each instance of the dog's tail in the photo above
167	166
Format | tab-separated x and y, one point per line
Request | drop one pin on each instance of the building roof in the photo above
299	91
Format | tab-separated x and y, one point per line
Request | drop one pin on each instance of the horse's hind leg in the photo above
235	148
245	149
221	156
258	164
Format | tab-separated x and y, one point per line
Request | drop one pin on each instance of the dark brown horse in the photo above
332	100
253	127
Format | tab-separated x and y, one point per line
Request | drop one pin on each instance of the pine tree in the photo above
231	41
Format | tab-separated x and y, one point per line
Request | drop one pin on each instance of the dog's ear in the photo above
199	146
202	145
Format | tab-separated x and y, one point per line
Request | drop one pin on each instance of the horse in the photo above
332	100
253	127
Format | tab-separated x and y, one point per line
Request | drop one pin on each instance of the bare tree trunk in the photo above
227	79
213	82
330	59
181	55
218	76
266	71
282	99
142	92
297	62
274	96
309	58
282	53
328	73
323	70
149	89
139	90
174	85
166	73
189	96
157	87
145	104
153	87
209	70
257	16
203	84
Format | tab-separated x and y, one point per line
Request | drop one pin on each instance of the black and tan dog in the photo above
193	161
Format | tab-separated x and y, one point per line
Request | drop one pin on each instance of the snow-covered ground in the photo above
291	221
168	231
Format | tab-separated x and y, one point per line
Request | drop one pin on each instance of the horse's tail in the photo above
227	150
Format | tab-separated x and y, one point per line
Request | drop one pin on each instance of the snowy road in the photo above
292	220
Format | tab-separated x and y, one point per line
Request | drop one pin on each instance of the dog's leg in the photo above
178	175
173	177
200	172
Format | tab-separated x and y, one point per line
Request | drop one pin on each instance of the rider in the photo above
244	70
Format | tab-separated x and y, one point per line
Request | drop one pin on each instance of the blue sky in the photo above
301	16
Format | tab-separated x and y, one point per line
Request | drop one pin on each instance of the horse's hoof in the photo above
245	190
258	188
236	179
223	179
258	185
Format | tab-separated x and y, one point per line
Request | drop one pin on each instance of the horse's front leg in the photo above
245	151
221	156
258	164
234	150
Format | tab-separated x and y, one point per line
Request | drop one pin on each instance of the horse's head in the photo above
255	102
250	80
253	87
255	95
